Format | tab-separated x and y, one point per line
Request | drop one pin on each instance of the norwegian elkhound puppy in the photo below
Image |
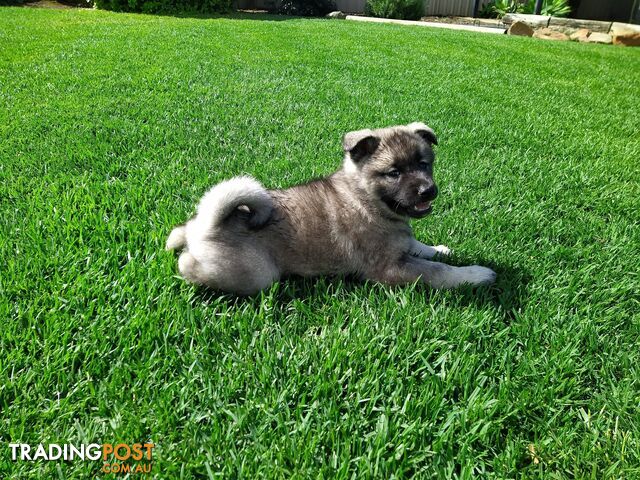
356	221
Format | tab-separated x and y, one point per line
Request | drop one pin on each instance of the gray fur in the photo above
356	221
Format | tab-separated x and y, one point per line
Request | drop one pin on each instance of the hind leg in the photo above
242	275
190	268
246	275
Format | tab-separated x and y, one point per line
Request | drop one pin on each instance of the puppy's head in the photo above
394	166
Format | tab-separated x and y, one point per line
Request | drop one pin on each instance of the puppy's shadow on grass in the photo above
509	294
289	289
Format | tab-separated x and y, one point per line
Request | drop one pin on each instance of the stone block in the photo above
628	39
535	21
548	34
593	25
618	28
597	37
580	35
625	34
337	14
520	28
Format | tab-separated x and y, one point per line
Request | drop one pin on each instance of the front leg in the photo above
435	274
419	249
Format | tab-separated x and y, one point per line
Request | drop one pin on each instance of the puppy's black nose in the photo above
428	191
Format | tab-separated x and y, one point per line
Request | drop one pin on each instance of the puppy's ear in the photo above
360	144
425	132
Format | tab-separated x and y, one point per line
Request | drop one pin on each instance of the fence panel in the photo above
351	6
434	7
463	8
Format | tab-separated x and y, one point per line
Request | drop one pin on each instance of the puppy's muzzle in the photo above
428	192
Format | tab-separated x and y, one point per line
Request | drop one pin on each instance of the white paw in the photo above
177	238
442	249
477	275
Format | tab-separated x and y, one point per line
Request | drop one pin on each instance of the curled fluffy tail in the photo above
225	198
221	202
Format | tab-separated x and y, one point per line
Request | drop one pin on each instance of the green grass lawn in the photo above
111	128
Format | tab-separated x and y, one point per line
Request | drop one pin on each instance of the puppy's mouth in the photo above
416	210
419	209
422	207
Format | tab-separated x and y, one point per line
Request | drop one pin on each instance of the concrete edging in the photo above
451	26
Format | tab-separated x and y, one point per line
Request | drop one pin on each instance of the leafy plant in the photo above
555	8
306	8
486	11
499	8
402	9
502	7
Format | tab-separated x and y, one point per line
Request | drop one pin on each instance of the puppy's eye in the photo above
393	173
424	165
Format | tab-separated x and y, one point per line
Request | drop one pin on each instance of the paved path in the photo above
452	26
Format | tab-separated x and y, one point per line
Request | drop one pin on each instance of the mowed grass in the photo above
111	128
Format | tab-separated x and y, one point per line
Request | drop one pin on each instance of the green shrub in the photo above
306	8
166	6
555	8
499	8
403	9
